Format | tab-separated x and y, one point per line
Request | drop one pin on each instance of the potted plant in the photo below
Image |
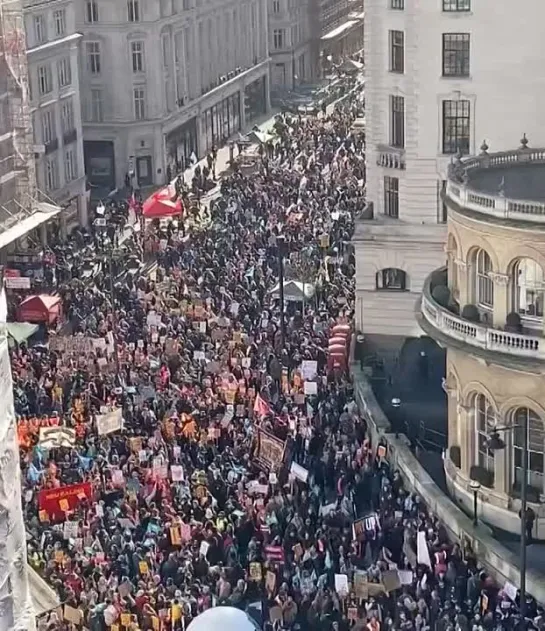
471	313
513	323
441	295
482	475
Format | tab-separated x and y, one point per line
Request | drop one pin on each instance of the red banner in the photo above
53	504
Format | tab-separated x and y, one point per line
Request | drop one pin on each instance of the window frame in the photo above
40	32
397	121
67	115
383	277
456	61
137	56
70	165
51	168
93	103
452	145
397	5
133	11
484	425
537	289
93	58
91	12
391	196
45	79
64	69
484	285
278	38
456	6
140	110
396	51
535	475
59	17
47	124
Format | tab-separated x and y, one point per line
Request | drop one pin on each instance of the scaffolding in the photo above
19	123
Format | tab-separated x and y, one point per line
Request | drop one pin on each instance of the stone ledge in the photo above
499	561
44	598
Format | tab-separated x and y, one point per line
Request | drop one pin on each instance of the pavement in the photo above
423	400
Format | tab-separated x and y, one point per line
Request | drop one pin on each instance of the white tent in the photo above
294	291
224	618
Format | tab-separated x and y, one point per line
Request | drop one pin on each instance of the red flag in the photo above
261	407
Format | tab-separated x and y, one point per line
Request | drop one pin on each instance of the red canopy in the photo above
160	204
42	308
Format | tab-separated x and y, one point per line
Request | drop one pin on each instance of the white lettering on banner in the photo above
110	422
56	437
17	282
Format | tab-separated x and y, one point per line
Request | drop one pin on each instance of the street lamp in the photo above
495	443
280	248
475	486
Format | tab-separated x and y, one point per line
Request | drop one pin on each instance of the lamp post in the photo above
495	443
475	486
280	247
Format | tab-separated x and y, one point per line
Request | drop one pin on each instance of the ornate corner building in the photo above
487	309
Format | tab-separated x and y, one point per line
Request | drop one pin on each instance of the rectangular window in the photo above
456	126
278	38
96	113
456	5
64	72
391	196
39	29
67	116
47	127
70	170
51	174
455	54
276	6
133	10
397	4
91	11
45	83
397	121
397	51
59	18
139	96
137	56
93	57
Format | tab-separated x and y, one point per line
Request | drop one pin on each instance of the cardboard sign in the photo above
270	581
299	472
255	572
110	422
341	585
143	567
72	615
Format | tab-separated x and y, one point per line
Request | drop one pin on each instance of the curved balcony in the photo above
504	185
444	325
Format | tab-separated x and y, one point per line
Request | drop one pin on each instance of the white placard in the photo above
309	369
203	550
422	552
177	473
310	388
110	422
299	472
405	577
198	355
341	585
70	530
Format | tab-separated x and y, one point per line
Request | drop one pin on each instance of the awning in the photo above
28	223
339	30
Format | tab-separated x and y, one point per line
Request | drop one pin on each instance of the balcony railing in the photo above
477	334
496	205
391	158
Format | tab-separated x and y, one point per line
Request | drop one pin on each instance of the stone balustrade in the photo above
495	205
477	334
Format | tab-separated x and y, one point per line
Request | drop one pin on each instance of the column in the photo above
501	466
242	111
466	433
463	283
501	303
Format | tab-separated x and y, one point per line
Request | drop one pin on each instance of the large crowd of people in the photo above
194	452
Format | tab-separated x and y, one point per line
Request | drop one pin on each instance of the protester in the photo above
242	474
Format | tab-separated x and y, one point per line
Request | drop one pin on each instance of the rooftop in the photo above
506	186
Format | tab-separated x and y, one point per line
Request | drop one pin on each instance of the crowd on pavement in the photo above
183	451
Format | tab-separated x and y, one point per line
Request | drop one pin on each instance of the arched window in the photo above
391	278
536	442
485	421
484	285
528	288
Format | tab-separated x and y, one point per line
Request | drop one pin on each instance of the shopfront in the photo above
100	166
220	122
255	99
182	142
